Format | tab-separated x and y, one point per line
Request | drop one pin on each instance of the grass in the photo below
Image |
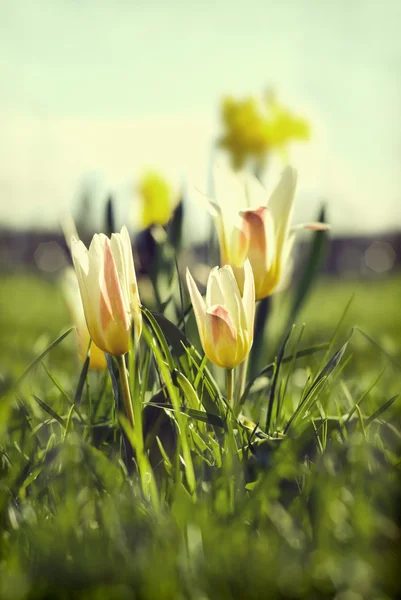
209	508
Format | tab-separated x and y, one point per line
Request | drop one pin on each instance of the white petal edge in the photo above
198	304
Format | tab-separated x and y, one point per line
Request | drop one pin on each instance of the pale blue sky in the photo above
105	88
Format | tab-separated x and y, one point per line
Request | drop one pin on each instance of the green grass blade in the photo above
275	379
374	343
380	410
42	355
322	376
44	406
200	415
81	381
268	370
363	396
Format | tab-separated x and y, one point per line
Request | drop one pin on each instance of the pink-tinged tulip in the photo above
70	288
225	320
251	226
109	290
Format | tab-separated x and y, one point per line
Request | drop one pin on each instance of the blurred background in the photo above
128	103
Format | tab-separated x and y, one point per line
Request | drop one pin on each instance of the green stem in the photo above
242	371
230	386
125	390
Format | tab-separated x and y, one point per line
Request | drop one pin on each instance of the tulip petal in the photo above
255	221
255	192
281	205
239	244
135	302
112	302
198	304
87	275
232	297
79	254
121	248
262	246
214	293
121	267
231	199
221	337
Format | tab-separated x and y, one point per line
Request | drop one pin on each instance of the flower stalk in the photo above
125	390
230	387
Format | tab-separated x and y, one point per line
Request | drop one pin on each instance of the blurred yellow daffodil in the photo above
251	226
70	288
109	291
225	321
157	198
253	128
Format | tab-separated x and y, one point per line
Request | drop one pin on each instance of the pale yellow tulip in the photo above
109	291
225	321
251	226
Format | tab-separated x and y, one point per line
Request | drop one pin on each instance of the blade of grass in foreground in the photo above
320	379
380	410
44	406
269	369
275	378
81	381
374	343
172	392
42	355
363	396
199	415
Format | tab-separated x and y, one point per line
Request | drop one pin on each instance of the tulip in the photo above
109	291
252	227
73	300
225	320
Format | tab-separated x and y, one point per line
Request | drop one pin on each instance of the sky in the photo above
95	91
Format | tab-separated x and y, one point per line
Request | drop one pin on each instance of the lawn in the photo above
304	506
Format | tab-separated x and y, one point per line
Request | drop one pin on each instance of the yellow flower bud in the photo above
254	127
158	201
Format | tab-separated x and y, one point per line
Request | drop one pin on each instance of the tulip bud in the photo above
225	321
109	292
72	297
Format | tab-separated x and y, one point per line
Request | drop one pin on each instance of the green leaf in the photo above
262	314
312	266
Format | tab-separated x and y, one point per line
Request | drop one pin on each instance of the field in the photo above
306	506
